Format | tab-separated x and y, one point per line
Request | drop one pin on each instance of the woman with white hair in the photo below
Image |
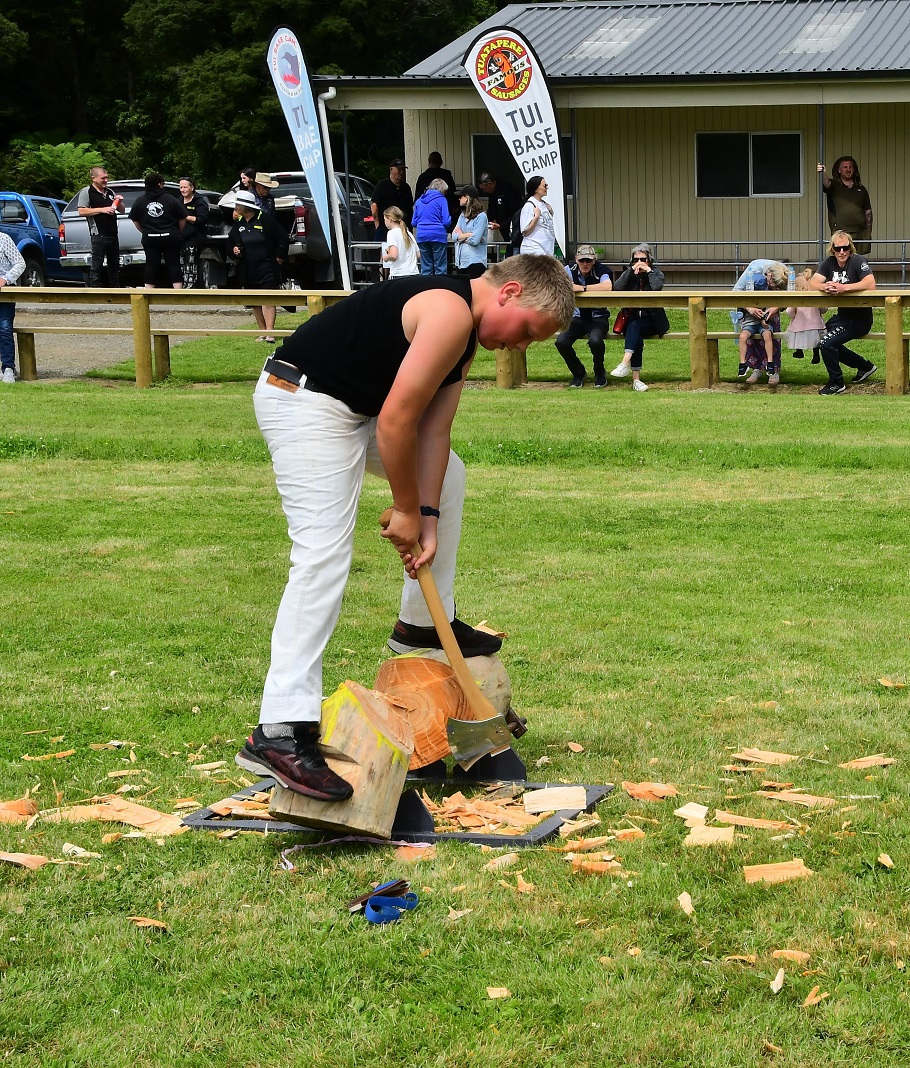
430	219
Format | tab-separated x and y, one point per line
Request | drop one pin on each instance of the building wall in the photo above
636	174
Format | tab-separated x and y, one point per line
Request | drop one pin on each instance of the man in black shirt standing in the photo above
393	190
100	207
844	271
502	203
373	384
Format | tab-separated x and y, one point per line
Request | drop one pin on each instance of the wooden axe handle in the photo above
478	703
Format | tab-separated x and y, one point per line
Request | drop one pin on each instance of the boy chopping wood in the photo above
372	384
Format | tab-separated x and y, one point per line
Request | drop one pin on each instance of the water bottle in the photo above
791	278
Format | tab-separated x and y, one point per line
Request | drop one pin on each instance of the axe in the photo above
488	732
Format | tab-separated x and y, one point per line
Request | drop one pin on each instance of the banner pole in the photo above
333	190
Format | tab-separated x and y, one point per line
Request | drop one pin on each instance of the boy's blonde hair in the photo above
802	279
545	285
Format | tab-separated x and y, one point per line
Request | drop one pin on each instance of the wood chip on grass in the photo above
763	756
705	836
782	872
877	760
736	820
650	791
797	797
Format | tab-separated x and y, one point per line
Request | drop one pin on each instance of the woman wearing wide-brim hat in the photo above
260	245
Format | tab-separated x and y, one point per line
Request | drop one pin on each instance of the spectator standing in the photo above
261	246
263	184
436	170
11	267
431	217
502	204
806	324
392	191
373	384
844	271
640	276
849	206
588	275
193	237
538	235
470	234
399	251
100	207
160	218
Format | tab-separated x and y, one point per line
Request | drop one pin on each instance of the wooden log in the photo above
488	672
368	742
429	693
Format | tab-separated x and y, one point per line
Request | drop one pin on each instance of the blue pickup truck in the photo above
34	224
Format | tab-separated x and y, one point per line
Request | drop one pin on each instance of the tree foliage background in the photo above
184	89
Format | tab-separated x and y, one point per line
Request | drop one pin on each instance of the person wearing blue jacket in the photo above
430	219
470	234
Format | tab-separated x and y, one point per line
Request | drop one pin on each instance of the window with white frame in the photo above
748	164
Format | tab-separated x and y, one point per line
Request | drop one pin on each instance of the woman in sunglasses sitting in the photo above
844	271
640	323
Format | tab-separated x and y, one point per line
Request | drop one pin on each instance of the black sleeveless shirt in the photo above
353	350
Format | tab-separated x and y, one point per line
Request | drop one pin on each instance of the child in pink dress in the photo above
806	324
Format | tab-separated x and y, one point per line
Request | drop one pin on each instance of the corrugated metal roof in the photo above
686	39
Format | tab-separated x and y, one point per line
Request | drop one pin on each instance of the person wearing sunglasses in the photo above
588	275
844	271
640	276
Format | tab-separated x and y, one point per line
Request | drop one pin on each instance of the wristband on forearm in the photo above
425	509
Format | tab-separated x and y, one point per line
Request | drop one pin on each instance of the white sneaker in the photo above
622	370
9	375
754	377
639	386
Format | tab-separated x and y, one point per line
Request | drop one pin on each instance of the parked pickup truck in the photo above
34	224
78	243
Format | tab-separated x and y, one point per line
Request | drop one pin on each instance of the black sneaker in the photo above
861	376
406	638
577	382
295	763
831	388
816	355
798	354
743	371
600	379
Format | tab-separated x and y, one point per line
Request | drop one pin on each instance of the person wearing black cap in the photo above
390	191
470	234
502	203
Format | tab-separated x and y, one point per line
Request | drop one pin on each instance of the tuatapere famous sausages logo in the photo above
504	68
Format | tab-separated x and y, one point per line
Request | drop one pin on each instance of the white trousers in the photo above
320	450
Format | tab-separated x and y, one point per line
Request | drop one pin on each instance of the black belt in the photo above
288	373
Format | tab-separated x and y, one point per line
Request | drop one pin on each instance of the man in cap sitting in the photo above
588	275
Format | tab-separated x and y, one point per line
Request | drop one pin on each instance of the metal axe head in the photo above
472	739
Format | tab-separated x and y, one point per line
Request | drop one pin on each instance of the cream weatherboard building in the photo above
694	124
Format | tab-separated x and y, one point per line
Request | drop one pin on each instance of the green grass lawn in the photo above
680	575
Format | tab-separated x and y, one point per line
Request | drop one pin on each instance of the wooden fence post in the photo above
142	340
505	374
28	365
713	360
895	349
315	305
162	357
519	367
698	343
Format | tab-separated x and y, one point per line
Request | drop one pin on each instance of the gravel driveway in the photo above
71	355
